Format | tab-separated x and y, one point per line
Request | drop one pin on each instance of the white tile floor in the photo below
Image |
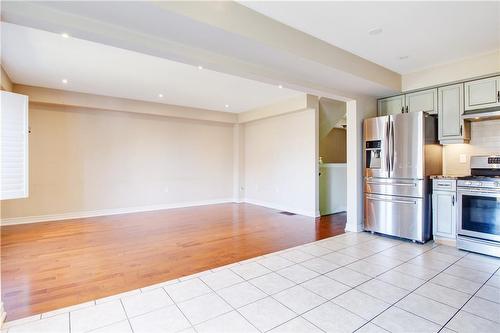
352	282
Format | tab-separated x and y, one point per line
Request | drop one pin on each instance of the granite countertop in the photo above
450	177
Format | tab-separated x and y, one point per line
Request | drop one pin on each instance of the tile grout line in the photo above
324	274
429	280
271	295
222	298
126	315
412	291
472	296
300	263
279	253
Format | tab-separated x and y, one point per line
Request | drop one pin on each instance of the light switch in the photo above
463	158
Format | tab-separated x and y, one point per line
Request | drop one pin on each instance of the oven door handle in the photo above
480	191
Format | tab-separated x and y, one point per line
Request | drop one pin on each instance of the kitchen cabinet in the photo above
425	100
452	128
484	93
391	105
444	209
14	148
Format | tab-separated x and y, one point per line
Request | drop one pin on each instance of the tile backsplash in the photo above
485	140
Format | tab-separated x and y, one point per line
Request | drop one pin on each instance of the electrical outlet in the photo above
463	158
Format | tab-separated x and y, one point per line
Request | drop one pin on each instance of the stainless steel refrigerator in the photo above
400	152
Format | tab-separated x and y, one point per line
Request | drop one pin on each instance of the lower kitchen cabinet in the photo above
444	210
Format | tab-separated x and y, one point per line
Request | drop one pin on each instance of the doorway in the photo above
332	142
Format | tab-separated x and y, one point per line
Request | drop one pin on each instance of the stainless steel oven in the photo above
479	214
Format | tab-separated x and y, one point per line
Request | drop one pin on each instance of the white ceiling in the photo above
41	58
428	33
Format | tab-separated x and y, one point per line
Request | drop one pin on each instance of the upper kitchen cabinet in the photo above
425	100
14	146
452	128
391	105
480	94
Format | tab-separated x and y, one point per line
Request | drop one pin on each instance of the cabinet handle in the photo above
461	130
402	109
407	109
498	96
453	200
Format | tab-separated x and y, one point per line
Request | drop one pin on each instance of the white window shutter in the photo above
14	146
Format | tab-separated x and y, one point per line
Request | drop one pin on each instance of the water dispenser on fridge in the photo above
373	154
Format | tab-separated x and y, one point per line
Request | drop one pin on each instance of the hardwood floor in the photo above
50	265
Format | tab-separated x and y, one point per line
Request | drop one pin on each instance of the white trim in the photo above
333	165
312	213
115	211
3	314
445	241
110	211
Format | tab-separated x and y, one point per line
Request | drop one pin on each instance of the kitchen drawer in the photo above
444	185
388	186
396	216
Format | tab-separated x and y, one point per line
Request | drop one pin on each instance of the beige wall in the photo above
332	141
280	162
5	82
333	147
484	64
87	160
485	140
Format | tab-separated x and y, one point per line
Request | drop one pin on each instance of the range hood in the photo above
484	114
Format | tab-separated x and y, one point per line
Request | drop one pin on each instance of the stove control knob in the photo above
497	184
479	184
468	183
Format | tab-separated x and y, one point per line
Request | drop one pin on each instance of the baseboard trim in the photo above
111	211
272	205
116	211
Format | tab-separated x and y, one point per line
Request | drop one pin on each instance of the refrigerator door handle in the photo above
387	160
392	145
391	184
392	200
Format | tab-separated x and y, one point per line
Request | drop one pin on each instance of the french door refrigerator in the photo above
400	152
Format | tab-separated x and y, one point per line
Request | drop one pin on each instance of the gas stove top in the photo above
479	182
485	173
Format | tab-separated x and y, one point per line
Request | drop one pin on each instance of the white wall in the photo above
484	64
332	188
280	162
485	140
357	110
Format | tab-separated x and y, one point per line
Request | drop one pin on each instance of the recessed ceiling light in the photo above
375	31
280	86
64	81
160	95
403	57
200	67
226	106
64	35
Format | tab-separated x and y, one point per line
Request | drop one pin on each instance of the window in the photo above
14	146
